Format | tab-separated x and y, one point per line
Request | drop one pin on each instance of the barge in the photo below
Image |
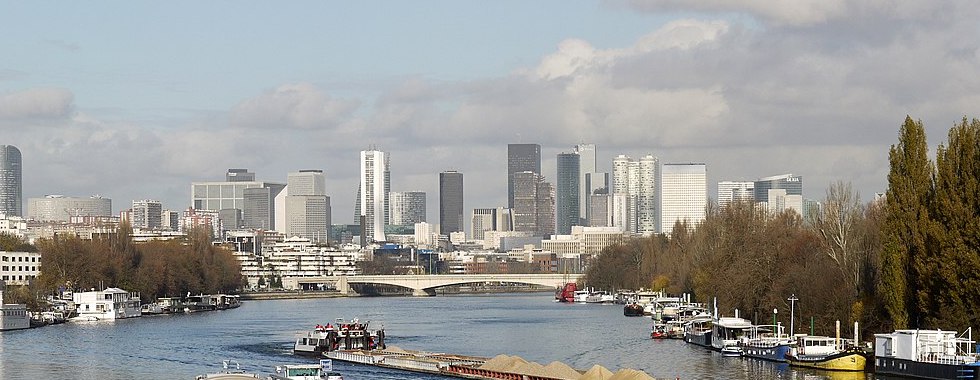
501	367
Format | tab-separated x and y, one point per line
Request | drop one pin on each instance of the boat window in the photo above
303	372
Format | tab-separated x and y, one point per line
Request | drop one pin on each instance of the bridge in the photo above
426	285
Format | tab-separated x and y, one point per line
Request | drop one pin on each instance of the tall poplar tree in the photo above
954	295
906	224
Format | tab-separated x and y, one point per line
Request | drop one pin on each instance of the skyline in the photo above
137	107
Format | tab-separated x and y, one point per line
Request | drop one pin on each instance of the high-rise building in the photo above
521	158
491	219
259	210
587	164
147	214
567	193
170	220
217	196
59	208
735	191
637	181
793	185
239	175
372	195
450	202
407	207
11	181
307	206
534	204
684	194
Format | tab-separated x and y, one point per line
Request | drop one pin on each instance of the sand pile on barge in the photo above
558	370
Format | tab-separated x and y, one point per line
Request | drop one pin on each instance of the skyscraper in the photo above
11	181
372	195
450	202
793	185
587	164
637	181
257	209
735	191
407	207
684	194
567	193
307	206
147	214
61	208
534	204
521	158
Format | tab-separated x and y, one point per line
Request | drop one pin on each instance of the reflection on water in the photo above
259	335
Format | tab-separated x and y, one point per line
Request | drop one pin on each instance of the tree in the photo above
906	223
836	223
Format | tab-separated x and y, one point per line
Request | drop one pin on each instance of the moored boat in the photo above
727	333
826	353
698	331
633	310
566	293
927	354
767	342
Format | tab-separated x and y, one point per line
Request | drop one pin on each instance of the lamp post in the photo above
792	312
774	311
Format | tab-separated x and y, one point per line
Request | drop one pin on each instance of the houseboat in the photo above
339	336
566	293
727	333
108	304
698	331
927	354
767	342
13	316
825	353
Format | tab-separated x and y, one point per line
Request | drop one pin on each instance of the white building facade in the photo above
59	208
19	268
684	194
372	200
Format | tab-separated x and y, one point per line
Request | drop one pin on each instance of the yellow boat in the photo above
825	353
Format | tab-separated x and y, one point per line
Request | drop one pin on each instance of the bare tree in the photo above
836	222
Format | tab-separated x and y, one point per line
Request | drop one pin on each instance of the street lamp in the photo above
792	312
774	311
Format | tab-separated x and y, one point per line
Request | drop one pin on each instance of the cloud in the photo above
36	104
301	106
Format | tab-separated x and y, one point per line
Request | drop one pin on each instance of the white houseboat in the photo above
12	316
927	354
112	303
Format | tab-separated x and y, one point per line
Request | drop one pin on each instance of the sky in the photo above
136	100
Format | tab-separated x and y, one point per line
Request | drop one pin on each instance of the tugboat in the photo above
633	309
351	335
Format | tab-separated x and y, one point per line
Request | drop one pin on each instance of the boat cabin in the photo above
811	345
931	346
111	303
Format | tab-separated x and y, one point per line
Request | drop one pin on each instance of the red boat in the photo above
659	332
566	293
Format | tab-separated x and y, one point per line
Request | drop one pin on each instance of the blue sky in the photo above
135	100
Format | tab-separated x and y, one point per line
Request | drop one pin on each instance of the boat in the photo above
727	333
659	332
227	301
698	331
108	304
600	296
767	342
341	335
633	310
580	295
566	293
304	372
927	354
200	302
231	370
826	353
152	309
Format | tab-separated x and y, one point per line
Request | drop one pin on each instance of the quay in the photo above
501	367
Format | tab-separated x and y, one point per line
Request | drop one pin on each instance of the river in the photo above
259	335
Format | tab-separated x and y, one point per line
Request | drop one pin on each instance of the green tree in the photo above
950	298
906	224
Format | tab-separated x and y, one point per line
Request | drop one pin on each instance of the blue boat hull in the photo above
773	353
922	370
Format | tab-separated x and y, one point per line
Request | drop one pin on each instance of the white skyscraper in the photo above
307	206
734	191
372	200
684	194
637	181
587	164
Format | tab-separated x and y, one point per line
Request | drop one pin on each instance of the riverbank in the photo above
288	295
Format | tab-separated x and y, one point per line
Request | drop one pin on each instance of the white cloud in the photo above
38	103
300	105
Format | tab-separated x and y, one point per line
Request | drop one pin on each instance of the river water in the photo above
259	335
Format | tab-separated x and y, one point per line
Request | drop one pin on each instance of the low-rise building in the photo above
19	268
